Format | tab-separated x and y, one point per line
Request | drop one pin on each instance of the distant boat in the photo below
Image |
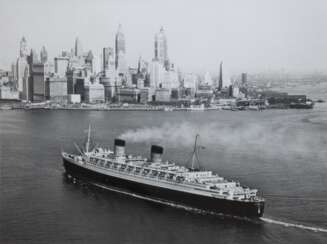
168	109
197	107
303	105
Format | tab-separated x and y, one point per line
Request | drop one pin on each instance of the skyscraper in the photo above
89	61
220	82
208	79
22	70
23	48
44	55
78	48
108	73
33	58
108	62
244	78
156	74
120	51
161	48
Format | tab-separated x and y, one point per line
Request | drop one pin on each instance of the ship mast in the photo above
195	153
88	139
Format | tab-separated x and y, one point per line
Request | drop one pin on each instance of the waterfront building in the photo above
176	93
220	81
39	75
94	93
188	93
109	88
144	95
78	51
57	89
74	98
204	91
76	80
128	95
162	95
227	101
151	94
161	48
9	93
61	65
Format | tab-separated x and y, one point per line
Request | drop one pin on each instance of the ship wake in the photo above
299	226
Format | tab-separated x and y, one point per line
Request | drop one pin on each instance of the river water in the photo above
283	153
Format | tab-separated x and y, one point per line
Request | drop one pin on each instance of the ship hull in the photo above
205	203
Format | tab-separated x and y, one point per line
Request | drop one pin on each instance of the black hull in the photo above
301	106
209	204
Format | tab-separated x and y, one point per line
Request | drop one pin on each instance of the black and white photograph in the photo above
163	122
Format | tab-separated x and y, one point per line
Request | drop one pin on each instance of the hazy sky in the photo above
248	35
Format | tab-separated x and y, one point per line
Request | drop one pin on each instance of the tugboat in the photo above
162	181
308	104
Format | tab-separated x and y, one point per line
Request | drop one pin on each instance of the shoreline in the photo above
151	109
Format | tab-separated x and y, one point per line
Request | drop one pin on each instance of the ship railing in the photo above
162	176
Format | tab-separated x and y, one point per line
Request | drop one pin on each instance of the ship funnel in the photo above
156	153
119	148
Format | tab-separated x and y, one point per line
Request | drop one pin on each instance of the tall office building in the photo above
22	70
78	48
207	79
44	55
108	60
108	74
156	74
33	57
161	48
142	66
89	61
61	65
220	81
23	52
39	74
120	51
244	78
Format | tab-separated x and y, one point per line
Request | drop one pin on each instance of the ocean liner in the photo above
162	181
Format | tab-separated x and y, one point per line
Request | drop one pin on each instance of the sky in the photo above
248	35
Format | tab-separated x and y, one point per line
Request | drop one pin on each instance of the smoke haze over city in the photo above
249	36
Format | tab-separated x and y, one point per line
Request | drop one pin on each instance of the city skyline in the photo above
249	37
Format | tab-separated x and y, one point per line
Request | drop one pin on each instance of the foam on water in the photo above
286	224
